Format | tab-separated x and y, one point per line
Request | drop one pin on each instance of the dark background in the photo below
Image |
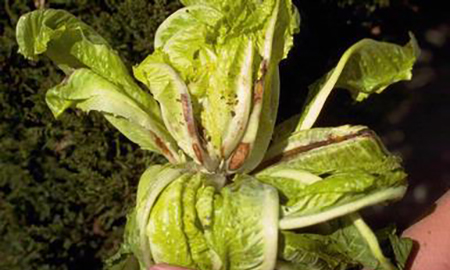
67	184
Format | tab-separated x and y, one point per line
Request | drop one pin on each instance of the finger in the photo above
432	238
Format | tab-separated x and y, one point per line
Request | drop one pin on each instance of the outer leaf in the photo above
340	244
200	249
193	225
329	172
313	252
402	248
175	234
165	228
317	150
245	230
367	67
399	248
75	46
359	242
72	44
152	183
88	91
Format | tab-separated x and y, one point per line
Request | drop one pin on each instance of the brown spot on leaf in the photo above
336	139
259	91
290	154
163	147
259	85
188	115
198	152
239	156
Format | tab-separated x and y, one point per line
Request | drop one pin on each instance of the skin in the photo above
431	237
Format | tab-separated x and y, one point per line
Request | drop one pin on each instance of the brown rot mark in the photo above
165	151
290	154
259	85
239	156
259	91
198	152
264	67
187	114
202	134
336	139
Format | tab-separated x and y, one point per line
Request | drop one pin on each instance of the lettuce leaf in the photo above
365	68
88	91
192	224
226	53
172	93
152	183
312	252
324	173
343	243
97	78
246	227
72	44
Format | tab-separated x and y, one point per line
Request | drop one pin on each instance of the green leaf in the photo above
152	183
185	37
202	255
398	248
325	173
367	67
343	243
245	227
97	78
402	248
360	243
226	53
72	44
88	91
339	244
172	93
194	225
313	252
165	227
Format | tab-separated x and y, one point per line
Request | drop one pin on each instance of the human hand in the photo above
432	238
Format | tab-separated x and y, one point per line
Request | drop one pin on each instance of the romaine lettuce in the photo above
227	199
